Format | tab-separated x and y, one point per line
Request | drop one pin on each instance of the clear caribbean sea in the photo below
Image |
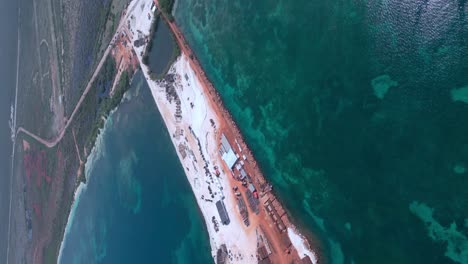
137	205
357	112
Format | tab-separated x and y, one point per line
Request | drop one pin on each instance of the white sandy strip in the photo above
300	244
71	216
242	244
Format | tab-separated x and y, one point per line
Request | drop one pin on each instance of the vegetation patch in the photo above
107	105
97	106
166	6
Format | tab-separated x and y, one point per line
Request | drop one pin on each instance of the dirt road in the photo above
50	143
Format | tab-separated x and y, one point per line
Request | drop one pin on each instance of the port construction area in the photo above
245	221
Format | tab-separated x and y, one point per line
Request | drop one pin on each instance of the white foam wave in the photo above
301	245
12	124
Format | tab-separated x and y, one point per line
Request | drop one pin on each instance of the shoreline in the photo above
94	155
76	199
197	144
304	236
307	236
187	67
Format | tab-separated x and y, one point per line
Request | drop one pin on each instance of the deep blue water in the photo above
137	206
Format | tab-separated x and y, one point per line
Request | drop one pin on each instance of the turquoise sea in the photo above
357	112
137	206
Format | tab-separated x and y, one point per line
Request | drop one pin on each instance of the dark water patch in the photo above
163	49
138	206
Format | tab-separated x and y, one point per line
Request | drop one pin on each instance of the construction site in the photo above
263	207
245	221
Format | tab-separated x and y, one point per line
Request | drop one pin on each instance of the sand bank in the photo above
196	120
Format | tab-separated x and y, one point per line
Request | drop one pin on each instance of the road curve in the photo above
50	143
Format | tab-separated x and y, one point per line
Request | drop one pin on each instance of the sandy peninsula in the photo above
245	221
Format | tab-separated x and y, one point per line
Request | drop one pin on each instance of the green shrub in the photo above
166	6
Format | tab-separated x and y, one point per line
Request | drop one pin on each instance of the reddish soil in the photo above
35	163
123	52
41	194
